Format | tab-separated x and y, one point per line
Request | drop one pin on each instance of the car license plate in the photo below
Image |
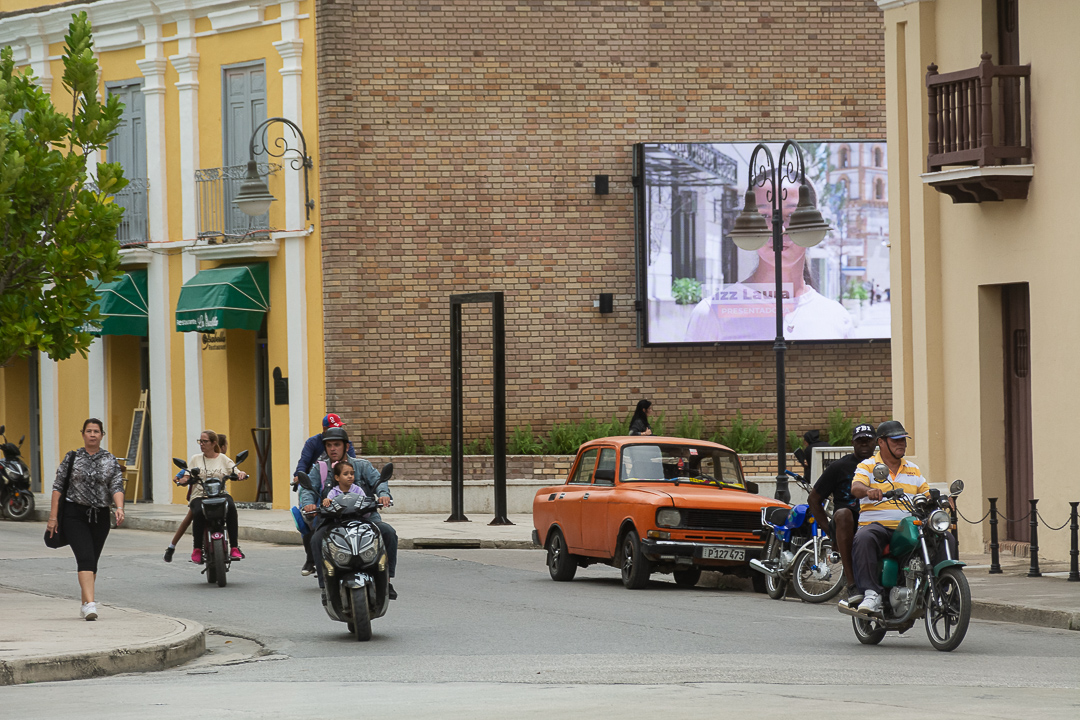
722	553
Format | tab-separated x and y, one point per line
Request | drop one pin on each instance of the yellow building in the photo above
198	77
984	250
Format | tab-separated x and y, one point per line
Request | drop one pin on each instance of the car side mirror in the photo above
179	463
304	481
605	476
387	472
241	456
751	487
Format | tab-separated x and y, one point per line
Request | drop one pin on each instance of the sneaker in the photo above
871	603
309	568
391	591
235	554
169	553
89	611
196	556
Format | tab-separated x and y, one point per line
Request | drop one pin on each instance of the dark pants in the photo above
389	535
86	529
867	549
198	522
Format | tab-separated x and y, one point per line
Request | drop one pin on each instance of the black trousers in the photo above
86	529
198	522
867	548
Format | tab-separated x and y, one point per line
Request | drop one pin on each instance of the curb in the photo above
1008	612
186	642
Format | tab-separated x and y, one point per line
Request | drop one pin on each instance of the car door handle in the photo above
586	496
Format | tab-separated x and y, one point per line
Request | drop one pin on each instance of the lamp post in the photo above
805	227
254	197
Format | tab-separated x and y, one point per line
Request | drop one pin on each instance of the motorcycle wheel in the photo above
361	623
808	586
561	564
949	610
219	561
687	578
868	631
19	508
635	567
775	588
208	561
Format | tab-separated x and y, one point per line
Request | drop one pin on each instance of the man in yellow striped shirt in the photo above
878	520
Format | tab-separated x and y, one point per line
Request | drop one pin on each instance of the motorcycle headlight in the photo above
939	521
339	557
369	548
668	517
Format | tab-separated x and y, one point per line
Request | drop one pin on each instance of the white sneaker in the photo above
871	603
89	611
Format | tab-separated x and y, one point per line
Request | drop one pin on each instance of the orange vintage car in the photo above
650	504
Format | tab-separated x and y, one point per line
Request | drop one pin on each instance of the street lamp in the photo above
254	197
805	227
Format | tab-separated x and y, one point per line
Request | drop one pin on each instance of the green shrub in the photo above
522	442
407	442
657	424
479	446
686	291
744	436
793	441
692	427
840	427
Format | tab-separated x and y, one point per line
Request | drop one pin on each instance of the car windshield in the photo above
680	463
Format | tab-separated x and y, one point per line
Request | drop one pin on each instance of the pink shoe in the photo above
196	556
235	554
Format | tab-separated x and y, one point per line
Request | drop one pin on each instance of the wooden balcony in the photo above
981	119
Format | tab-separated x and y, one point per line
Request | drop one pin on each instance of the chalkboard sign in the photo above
136	438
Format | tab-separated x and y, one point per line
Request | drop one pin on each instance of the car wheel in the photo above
687	578
635	567
561	564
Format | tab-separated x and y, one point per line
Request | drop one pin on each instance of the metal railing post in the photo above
1074	553
995	560
1033	570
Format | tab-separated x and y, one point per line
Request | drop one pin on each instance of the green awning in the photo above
122	306
233	296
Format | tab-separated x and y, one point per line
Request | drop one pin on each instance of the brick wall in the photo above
458	141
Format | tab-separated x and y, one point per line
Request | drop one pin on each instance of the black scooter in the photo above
15	496
355	566
215	506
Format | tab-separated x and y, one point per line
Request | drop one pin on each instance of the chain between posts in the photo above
1034	517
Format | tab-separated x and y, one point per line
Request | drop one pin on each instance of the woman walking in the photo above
87	481
639	424
212	463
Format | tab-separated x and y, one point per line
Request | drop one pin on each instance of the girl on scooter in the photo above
212	462
223	446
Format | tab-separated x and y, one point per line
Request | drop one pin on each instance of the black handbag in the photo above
58	539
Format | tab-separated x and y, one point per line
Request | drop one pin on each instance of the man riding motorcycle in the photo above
878	520
367	477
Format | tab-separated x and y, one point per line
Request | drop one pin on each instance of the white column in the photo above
186	63
291	47
50	421
193	386
98	385
160	310
39	60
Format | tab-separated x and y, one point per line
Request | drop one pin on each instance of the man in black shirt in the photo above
835	481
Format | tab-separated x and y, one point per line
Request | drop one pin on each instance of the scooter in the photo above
15	496
354	563
215	505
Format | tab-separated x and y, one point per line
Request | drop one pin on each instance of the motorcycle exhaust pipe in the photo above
763	568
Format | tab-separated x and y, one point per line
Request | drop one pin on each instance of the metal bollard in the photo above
954	523
995	560
1033	570
1074	568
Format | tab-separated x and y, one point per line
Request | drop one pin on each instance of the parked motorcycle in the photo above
15	497
215	505
915	586
798	553
355	565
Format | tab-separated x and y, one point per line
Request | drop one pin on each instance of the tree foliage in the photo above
56	234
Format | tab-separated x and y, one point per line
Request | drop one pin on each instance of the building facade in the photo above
229	333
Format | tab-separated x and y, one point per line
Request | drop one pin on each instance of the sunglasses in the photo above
201	441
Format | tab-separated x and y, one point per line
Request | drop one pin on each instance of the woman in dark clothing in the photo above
94	482
639	424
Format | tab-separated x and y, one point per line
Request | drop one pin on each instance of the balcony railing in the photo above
977	121
218	216
134	229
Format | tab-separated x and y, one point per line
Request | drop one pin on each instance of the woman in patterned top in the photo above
94	482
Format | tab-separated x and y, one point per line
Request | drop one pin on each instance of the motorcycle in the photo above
15	496
354	560
215	505
917	587
798	553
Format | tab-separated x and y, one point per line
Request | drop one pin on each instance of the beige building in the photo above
984	250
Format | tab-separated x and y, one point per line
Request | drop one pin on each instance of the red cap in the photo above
333	421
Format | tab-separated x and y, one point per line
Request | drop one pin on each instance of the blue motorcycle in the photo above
798	553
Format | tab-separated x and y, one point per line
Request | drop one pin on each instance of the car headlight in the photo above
668	517
939	521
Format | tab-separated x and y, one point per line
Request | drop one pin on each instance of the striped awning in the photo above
232	296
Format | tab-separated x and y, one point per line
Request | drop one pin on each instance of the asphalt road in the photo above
486	633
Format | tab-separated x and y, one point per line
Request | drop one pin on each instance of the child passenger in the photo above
345	477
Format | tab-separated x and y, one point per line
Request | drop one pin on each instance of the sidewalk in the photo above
42	648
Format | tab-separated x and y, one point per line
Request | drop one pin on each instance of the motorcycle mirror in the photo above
304	481
241	456
2	429
881	472
21	440
179	463
956	487
387	472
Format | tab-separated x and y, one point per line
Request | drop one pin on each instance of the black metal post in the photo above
1074	553
498	332
995	560
457	444
954	523
782	493
1033	570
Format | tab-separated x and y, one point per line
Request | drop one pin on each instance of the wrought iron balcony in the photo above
979	118
218	216
134	229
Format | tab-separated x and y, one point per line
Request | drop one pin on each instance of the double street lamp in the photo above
254	197
806	228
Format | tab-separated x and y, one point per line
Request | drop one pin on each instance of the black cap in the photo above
862	431
892	429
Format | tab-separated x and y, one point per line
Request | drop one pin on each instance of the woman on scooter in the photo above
223	448
211	462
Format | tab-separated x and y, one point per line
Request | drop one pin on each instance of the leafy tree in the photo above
56	234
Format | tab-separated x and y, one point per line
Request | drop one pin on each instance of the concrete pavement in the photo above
56	645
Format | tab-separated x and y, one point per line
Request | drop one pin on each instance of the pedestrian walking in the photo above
639	424
87	482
